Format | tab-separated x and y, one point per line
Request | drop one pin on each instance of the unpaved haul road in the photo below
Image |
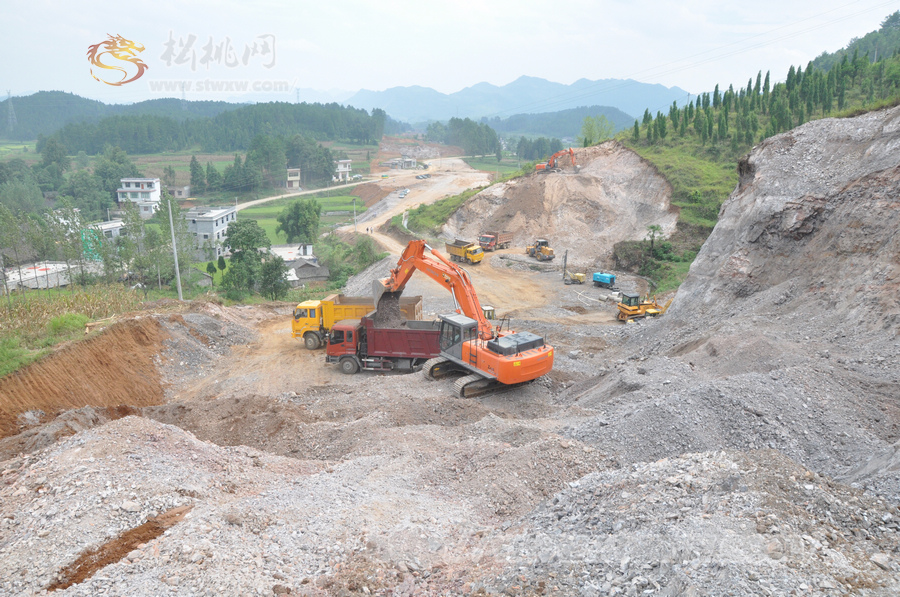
508	290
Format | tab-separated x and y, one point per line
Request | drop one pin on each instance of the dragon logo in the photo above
120	49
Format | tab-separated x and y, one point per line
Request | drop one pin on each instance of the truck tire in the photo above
311	341
349	366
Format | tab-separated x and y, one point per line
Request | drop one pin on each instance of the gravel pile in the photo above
721	523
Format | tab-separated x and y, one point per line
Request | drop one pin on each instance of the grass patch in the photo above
428	219
487	164
700	181
13	356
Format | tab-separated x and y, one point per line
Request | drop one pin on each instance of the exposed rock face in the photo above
812	227
612	197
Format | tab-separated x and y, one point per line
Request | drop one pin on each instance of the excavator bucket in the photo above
379	288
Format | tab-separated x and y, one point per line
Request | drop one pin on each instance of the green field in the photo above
266	214
24	150
488	164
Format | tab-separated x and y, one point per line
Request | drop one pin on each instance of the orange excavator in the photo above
552	165
490	357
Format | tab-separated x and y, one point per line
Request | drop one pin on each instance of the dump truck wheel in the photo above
311	341
349	366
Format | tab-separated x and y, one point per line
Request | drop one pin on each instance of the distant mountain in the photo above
45	112
524	95
562	124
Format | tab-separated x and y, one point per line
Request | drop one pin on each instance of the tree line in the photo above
474	138
228	131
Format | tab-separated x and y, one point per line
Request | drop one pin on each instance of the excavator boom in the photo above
469	343
440	269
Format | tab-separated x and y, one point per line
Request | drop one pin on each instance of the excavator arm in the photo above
444	272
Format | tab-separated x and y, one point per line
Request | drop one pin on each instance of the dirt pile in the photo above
370	193
613	196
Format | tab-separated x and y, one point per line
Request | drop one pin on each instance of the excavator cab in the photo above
456	329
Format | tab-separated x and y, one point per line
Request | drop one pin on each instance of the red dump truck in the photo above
355	344
313	319
491	241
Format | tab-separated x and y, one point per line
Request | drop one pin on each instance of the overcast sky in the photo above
357	44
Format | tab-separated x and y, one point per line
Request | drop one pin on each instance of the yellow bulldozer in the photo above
632	307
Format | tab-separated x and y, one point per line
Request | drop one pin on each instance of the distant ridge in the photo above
525	95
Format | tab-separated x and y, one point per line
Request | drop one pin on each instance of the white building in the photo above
209	225
343	170
111	229
143	192
293	179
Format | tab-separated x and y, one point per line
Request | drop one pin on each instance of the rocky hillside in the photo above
613	196
785	333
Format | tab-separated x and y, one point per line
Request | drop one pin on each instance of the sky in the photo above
279	47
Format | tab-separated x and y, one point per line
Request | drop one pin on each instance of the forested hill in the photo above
565	123
228	131
875	45
45	112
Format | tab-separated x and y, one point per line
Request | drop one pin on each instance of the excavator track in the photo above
438	367
474	385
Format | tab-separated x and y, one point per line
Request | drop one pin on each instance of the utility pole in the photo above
175	252
354	215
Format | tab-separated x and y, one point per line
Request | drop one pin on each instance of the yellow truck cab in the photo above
313	319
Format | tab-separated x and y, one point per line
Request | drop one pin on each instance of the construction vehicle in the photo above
632	307
552	165
570	277
489	356
491	241
355	344
540	250
313	319
463	250
573	278
603	280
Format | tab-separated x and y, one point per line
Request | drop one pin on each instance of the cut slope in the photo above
612	197
112	369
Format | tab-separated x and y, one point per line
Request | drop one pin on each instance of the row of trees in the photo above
474	138
265	165
228	131
143	254
537	149
759	110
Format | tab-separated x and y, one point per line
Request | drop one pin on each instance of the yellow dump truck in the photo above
463	250
313	319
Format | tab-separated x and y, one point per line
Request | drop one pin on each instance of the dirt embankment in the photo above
113	369
612	196
370	193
